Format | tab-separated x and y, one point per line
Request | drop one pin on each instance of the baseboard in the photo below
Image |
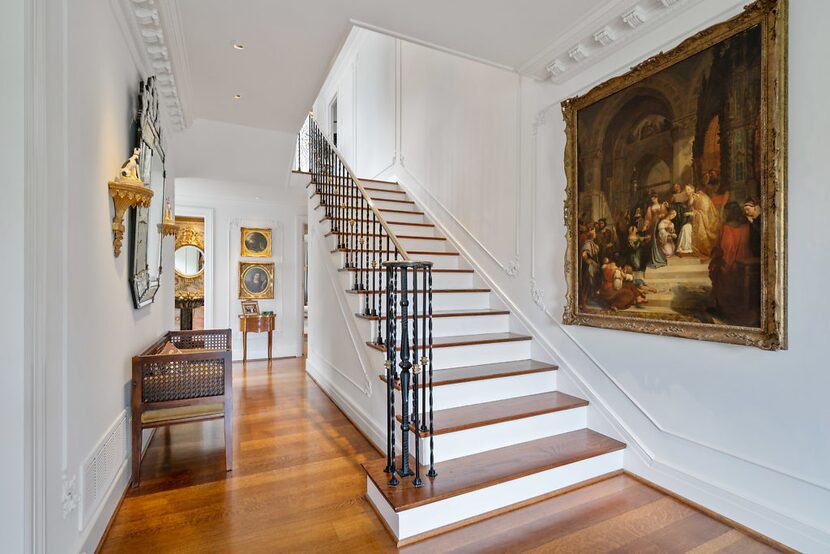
94	535
359	418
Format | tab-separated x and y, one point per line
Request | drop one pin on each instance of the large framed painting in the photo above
676	193
256	280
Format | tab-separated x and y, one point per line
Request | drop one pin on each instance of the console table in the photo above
256	323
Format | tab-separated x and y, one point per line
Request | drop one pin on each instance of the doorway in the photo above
333	119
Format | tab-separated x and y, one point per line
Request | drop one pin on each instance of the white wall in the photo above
235	205
739	430
12	391
85	99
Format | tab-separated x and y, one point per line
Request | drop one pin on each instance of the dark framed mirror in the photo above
146	240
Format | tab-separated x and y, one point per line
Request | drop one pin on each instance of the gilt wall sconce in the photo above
168	226
127	190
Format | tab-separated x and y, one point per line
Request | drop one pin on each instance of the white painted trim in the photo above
348	316
302	248
209	216
359	417
582	36
538	122
433	46
36	122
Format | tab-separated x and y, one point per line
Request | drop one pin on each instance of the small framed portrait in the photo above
250	307
256	280
256	242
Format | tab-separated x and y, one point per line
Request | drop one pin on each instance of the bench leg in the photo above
228	435
135	479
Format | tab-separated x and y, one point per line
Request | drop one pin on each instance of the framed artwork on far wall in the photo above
256	280
250	307
676	189
256	242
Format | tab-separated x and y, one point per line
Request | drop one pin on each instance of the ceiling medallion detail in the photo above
616	26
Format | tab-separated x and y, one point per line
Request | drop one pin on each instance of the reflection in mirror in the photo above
190	261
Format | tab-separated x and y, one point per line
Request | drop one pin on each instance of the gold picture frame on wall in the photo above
255	242
256	280
676	189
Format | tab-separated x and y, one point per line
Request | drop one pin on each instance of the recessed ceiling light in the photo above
237	96
239	45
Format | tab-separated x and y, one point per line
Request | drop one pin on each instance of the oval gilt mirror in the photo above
190	261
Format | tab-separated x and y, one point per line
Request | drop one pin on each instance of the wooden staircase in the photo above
504	435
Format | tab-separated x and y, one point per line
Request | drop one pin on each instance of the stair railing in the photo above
388	278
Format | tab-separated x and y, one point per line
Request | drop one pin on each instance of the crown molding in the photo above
155	41
600	33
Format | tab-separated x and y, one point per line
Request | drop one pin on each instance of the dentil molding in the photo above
152	31
598	34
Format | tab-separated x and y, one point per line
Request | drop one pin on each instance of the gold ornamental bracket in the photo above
126	194
127	190
168	227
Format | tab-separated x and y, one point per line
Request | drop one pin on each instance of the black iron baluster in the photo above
424	359
431	472
416	371
390	378
406	365
378	242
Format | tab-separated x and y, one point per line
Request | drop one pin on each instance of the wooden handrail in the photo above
401	250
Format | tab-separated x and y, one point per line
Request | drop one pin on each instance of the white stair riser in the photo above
409	523
380	243
403	217
478	354
377	185
440	280
439	261
489	437
412	230
387	204
440	301
391	194
452	326
490	390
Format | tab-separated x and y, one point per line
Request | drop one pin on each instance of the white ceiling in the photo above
290	45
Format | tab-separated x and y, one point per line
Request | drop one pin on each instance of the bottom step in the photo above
469	487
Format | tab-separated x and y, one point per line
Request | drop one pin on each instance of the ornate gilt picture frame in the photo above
255	242
256	280
675	203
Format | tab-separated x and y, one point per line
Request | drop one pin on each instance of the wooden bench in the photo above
185	376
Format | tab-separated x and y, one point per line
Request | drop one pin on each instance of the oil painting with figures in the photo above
669	189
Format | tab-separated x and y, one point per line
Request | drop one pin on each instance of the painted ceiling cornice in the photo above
155	41
599	34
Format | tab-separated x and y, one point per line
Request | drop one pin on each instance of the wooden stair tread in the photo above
430	252
455	375
322	219
434	270
381	235
452	420
376	189
374	199
387	210
466	340
478	471
446	313
420	291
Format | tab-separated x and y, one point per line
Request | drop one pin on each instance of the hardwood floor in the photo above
298	486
